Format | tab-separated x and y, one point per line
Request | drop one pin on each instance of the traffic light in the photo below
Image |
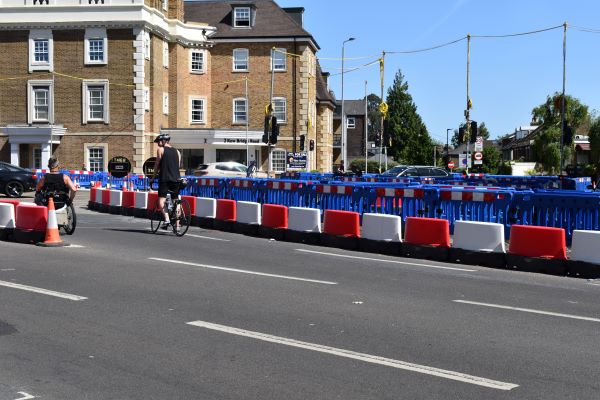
387	136
473	131
568	138
274	129
265	137
311	145
461	134
378	139
302	139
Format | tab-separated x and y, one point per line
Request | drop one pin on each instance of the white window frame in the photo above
203	100
86	84
165	103
166	54
280	113
41	34
235	17
350	125
247	60
234	120
280	52
86	156
146	44
146	98
31	99
279	152
96	34
203	54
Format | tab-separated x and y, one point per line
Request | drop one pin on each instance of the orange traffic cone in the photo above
52	238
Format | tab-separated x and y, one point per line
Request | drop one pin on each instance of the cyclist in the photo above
54	181
168	160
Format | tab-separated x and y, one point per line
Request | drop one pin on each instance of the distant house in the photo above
462	149
355	130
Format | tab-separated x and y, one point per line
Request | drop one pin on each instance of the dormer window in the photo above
241	17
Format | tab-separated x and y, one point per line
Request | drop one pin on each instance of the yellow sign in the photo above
383	108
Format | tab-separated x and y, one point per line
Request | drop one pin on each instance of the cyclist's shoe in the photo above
165	226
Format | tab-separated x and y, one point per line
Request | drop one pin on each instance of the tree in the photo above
594	134
373	115
546	149
491	159
482	130
411	143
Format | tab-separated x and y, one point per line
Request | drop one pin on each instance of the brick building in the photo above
355	130
90	79
87	80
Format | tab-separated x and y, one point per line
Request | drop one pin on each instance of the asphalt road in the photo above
125	314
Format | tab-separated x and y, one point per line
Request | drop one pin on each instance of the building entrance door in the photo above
224	155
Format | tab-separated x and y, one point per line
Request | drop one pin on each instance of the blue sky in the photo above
509	76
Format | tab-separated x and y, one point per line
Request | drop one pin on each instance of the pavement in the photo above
126	314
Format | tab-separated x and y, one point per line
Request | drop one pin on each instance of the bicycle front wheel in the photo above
183	217
71	223
156	218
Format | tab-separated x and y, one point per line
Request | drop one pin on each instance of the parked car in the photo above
229	168
415	170
15	180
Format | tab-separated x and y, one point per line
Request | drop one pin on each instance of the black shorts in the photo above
164	187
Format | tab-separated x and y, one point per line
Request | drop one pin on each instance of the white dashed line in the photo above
42	291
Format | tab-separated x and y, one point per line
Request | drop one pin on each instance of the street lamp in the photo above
344	139
447	147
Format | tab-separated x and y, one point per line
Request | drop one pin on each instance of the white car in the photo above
228	169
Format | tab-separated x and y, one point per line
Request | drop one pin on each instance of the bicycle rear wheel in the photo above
183	217
156	218
71	223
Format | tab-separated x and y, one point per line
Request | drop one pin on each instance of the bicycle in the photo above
66	217
179	211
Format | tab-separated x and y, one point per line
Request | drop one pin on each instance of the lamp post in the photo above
447	147
344	139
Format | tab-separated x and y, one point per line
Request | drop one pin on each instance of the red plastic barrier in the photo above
427	231
538	241
226	210
342	223
31	218
192	202
106	197
152	200
128	199
275	216
93	192
15	203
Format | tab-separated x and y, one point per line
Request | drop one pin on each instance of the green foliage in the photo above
411	143
491	160
482	130
373	115
505	169
576	113
595	141
546	149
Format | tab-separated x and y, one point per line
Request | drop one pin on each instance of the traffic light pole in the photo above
562	102
467	116
271	111
381	72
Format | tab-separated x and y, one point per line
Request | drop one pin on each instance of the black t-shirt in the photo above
55	182
169	165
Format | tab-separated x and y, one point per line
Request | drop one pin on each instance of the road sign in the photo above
478	162
478	156
451	164
464	161
479	143
148	166
119	167
296	161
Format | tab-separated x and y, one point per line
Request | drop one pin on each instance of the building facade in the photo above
355	131
87	80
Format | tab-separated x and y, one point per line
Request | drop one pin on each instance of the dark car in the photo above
15	180
415	170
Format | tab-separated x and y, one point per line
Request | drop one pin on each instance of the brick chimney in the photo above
176	10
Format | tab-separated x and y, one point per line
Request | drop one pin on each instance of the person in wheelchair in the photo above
57	184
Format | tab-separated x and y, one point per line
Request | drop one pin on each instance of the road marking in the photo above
243	271
207	237
75	246
386	261
423	369
26	396
7	269
528	310
42	291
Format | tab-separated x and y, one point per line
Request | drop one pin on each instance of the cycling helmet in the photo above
163	136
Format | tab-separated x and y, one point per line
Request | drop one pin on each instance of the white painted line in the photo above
26	396
207	237
386	261
388	362
7	269
243	271
76	246
553	314
42	291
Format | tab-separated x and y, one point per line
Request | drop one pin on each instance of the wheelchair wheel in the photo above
71	223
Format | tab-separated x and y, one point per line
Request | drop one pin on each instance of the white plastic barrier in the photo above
479	236
382	227
304	219
248	212
206	207
116	198
585	246
7	216
141	200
